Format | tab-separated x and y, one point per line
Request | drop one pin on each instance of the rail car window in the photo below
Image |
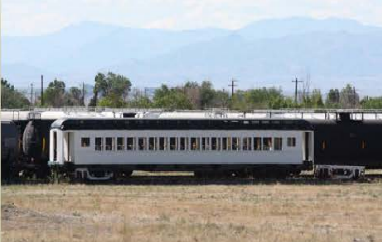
247	143
120	143
267	143
98	143
85	142
152	143
278	144
224	143
291	142
109	143
195	143
257	143
323	145
141	143
205	143
215	143
130	143
235	143
173	143
183	143
162	143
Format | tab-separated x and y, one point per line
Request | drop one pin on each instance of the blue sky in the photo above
36	17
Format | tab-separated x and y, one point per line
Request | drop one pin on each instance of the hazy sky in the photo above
36	17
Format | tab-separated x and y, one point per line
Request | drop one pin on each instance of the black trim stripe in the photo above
180	124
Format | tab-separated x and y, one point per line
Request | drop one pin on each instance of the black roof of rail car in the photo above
181	124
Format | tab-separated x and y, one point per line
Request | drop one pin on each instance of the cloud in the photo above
35	17
166	23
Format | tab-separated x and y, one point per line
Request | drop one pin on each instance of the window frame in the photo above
173	143
277	143
257	143
217	144
247	144
112	146
152	144
142	146
164	147
100	147
205	143
267	146
235	144
120	147
183	147
291	142
195	146
88	143
130	147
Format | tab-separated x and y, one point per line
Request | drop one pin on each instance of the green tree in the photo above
11	98
349	98
171	99
372	103
333	99
74	97
140	101
316	99
221	100
112	100
263	98
110	90
54	95
100	84
207	95
192	92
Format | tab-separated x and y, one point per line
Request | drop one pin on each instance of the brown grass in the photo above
351	212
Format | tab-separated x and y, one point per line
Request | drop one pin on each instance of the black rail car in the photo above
348	142
9	147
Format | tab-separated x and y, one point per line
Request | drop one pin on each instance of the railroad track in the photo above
190	180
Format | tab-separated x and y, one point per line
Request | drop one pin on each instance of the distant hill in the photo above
265	53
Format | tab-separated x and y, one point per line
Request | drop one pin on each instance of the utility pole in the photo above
42	90
295	90
83	93
232	85
32	94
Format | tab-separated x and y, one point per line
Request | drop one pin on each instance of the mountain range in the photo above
328	53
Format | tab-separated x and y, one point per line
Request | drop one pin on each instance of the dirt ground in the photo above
273	212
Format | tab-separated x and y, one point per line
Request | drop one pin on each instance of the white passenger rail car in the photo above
98	149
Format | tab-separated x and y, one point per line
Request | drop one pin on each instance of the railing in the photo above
80	111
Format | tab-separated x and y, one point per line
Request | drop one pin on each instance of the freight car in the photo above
348	142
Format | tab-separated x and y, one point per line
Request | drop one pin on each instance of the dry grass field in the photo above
273	212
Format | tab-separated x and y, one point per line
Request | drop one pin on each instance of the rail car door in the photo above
69	146
307	146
